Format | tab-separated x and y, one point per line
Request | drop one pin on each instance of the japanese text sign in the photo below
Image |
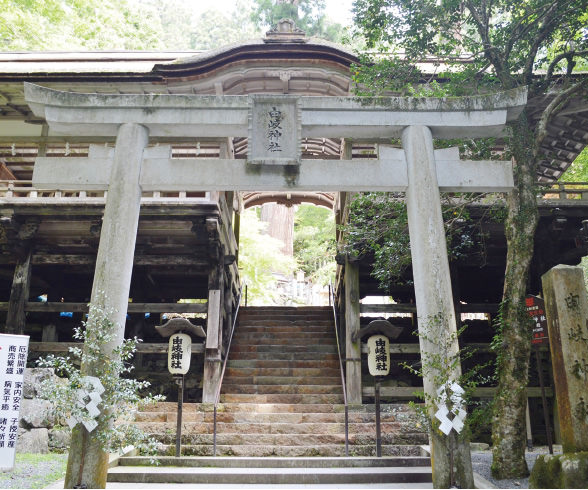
378	355
179	353
13	360
274	130
536	309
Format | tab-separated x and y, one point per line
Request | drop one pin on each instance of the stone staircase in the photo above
282	398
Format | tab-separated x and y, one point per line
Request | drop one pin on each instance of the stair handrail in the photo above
343	384
220	381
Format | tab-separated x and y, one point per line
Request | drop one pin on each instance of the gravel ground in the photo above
481	461
34	471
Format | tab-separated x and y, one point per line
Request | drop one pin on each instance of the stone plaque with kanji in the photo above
274	130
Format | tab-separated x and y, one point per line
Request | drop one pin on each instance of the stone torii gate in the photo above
275	126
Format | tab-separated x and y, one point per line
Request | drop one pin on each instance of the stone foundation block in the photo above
33	441
59	439
560	471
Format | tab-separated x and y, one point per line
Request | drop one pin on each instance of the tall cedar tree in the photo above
492	45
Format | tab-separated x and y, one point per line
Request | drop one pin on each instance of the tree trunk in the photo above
280	221
508	423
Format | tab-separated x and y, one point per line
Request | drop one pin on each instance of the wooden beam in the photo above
411	308
150	348
409	391
141	260
53	307
415	349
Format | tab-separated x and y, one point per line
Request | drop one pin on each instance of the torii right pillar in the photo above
436	316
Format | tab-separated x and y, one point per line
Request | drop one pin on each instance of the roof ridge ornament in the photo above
285	31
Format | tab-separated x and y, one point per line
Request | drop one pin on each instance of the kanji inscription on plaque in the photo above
274	130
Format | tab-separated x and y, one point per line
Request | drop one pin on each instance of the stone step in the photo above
285	356
285	439
396	409
272	389
281	398
310	348
281	338
289	329
254	363
391	430
279	380
269	476
282	372
326	450
291	323
259	310
256	417
244	462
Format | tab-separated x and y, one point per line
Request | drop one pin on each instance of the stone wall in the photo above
39	430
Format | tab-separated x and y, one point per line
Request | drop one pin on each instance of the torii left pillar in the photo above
87	465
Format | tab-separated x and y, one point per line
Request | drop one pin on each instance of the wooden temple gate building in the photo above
187	242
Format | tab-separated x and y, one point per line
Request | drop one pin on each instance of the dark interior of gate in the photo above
186	241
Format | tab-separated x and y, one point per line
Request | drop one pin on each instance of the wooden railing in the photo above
24	189
15	189
565	191
56	307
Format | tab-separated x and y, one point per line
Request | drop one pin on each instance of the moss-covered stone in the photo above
560	471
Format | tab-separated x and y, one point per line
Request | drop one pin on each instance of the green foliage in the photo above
578	170
314	243
122	395
462	40
440	366
378	227
260	260
309	15
77	24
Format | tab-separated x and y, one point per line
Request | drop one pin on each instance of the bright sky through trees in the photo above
337	10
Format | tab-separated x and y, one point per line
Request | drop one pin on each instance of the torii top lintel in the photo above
192	116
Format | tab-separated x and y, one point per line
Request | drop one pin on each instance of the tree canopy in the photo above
149	24
470	47
309	15
74	24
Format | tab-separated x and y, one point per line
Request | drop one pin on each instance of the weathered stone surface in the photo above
566	305
59	439
35	413
33	441
560	471
33	377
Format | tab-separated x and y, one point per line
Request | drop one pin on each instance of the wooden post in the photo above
19	295
212	356
352	340
50	333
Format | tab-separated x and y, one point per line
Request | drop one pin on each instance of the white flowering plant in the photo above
122	395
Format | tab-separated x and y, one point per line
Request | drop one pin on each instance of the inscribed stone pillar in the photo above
432	284
566	305
88	463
